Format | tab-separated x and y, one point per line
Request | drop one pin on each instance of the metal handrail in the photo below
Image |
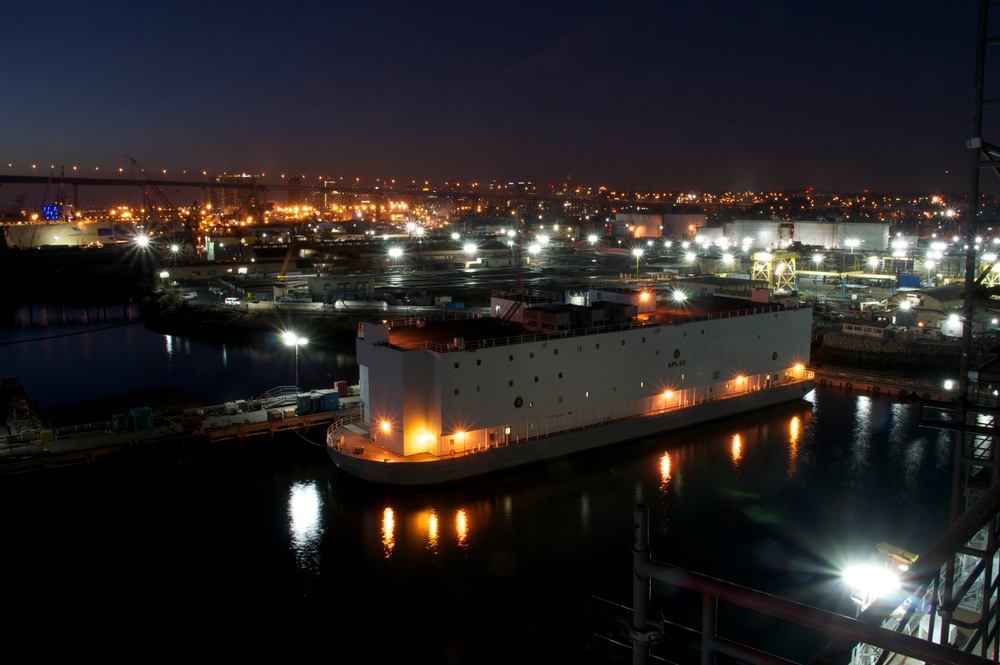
440	347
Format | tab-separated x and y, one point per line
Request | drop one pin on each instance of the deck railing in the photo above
442	347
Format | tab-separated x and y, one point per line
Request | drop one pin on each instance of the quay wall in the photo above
861	352
895	387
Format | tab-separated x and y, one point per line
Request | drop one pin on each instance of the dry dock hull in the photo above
448	470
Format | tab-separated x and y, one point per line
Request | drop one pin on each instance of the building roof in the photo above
948	293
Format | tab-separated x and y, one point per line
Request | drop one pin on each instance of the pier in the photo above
177	424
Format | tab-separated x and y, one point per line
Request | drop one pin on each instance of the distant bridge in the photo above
144	182
77	181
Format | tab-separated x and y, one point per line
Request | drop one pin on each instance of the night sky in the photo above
698	95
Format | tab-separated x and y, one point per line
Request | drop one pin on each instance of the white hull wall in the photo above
501	458
542	387
439	402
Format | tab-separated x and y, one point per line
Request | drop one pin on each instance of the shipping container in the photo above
142	417
329	400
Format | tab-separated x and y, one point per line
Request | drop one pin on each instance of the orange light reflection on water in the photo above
737	449
794	432
462	527
432	531
664	470
388	528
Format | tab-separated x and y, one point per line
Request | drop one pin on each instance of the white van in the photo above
190	295
232	301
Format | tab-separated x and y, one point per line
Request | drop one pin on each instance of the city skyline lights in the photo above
718	96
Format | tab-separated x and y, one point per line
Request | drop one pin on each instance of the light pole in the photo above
291	339
395	253
637	253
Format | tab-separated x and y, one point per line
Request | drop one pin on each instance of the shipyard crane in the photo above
39	214
60	199
517	247
151	184
45	193
777	268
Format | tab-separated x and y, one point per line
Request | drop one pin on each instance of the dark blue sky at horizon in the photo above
710	95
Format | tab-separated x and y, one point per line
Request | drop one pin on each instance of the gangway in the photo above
279	395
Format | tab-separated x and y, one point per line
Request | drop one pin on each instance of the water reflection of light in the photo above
432	531
862	434
794	432
304	523
169	340
906	450
664	470
665	474
585	512
388	528
737	449
462	527
225	357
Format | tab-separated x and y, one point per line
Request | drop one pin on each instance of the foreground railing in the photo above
881	633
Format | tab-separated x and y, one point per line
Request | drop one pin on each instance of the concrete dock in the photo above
40	447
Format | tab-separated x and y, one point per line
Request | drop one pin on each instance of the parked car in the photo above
189	295
232	301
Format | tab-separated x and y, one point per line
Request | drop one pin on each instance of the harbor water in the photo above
267	544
